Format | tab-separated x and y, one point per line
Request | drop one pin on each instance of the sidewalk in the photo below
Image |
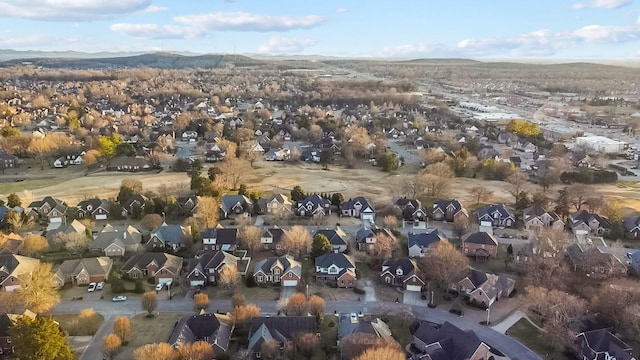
505	324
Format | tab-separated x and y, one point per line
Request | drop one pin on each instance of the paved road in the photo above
507	345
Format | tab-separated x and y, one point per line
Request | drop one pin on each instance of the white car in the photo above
159	286
100	286
92	287
119	298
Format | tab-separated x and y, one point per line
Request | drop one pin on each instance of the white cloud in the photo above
154	9
283	45
606	33
154	31
243	21
603	4
341	10
70	10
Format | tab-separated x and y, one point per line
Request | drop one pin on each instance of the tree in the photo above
237	300
88	320
270	349
522	200
436	180
411	186
199	350
577	195
326	159
385	352
107	144
250	237
320	245
74	242
460	226
18	222
297	194
41	149
517	183
13	200
297	240
390	222
443	263
388	162
162	351
234	171
297	305
149	302
208	210
631	321
355	345
524	128
200	302
229	277
337	199
244	313
431	156
151	221
384	246
39	339
34	244
316	307
38	290
110	345
307	344
122	328
10	301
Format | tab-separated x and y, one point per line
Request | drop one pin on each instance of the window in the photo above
290	274
260	279
258	355
276	271
333	270
8	340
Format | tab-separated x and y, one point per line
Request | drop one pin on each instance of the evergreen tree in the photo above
320	245
39	339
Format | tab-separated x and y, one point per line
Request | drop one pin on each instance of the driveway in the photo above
413	298
287	291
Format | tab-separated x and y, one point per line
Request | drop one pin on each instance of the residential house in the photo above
419	243
206	267
271	238
64	235
117	240
602	345
432	341
536	218
189	135
95	209
235	205
359	208
187	204
356	326
412	211
162	267
136	202
336	268
584	222
632	225
129	164
313	206
220	239
480	245
83	271
284	330
592	260
169	237
525	146
64	161
496	216
215	329
276	204
277	155
484	288
337	238
12	268
6	322
402	272
49	208
11	243
448	210
366	236
7	161
283	270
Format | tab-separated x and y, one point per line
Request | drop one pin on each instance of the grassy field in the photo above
250	293
148	331
535	340
79	325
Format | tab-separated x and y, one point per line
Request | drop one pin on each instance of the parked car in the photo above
159	286
92	287
119	298
100	285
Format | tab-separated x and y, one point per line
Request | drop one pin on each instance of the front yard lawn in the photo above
255	293
399	326
328	337
86	323
146	330
535	340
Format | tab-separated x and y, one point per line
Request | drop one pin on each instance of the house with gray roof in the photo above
358	207
162	267
284	330
536	217
205	268
219	238
336	268
448	210
496	215
366	236
215	329
337	238
48	208
83	271
632	226
480	245
484	288
117	240
354	325
313	206
95	209
419	243
235	205
170	237
274	270
584	222
601	344
271	238
12	268
402	272
58	237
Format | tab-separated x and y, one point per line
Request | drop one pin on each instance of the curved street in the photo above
507	345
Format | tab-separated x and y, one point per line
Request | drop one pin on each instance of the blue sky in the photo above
560	29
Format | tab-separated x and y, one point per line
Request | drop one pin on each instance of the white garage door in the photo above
290	283
164	280
101	217
55	220
11	288
197	282
414	287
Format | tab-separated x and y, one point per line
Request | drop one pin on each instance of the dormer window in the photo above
399	272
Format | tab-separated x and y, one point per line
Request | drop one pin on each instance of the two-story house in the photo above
313	206
283	270
214	329
171	237
632	226
284	330
136	201
419	243
402	272
602	345
276	204
448	210
337	238
235	205
496	215
162	267
412	211
12	268
220	239
584	222
206	267
117	240
48	208
95	209
7	161
484	288
536	218
271	238
336	268
360	208
366	236
480	245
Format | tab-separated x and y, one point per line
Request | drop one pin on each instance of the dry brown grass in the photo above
148	331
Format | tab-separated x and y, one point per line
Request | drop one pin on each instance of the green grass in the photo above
535	340
399	326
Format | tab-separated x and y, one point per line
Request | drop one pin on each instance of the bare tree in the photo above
234	171
297	240
270	349
390	221
38	290
384	246
229	277
316	307
250	237
297	305
149	302
517	183
122	328
443	263
480	194
307	344
34	244
411	186
207	211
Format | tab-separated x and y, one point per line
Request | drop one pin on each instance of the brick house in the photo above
161	267
83	271
283	270
480	245
205	268
448	210
336	268
401	272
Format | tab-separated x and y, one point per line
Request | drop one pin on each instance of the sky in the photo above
490	29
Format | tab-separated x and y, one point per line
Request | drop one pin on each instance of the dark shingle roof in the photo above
455	344
424	239
279	327
604	341
480	237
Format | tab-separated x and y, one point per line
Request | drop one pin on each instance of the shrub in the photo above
359	291
139	287
250	281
